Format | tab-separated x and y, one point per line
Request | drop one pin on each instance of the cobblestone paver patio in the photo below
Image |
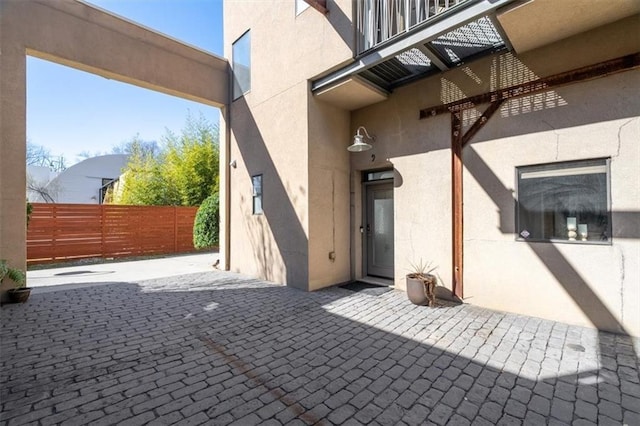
216	348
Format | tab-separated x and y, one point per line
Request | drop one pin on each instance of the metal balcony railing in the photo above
382	20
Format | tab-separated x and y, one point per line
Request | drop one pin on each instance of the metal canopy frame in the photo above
495	100
446	41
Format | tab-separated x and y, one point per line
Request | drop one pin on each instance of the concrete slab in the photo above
120	271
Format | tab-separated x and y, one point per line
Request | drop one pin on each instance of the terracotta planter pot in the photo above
18	295
418	287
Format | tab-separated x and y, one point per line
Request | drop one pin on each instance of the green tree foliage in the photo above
191	161
205	226
184	171
143	180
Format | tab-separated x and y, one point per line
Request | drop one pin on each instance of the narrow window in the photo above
564	202
241	53
107	184
256	182
377	175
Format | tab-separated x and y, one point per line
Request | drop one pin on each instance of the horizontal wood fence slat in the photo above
59	232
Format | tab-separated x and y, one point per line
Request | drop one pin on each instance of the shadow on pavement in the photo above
217	348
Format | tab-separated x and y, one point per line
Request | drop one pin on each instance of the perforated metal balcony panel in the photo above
463	44
468	41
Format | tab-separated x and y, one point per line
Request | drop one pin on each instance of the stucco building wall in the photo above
309	235
278	130
329	196
594	285
578	283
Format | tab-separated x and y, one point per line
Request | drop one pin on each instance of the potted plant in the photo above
421	284
20	293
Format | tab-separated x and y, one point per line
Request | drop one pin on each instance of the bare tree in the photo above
38	155
138	146
40	190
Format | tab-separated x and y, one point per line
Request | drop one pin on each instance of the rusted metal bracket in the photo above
319	5
590	72
481	121
495	99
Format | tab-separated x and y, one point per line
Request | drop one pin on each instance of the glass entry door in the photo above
379	229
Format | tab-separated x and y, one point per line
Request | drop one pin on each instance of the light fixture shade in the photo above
359	144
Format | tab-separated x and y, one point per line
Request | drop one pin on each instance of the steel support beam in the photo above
456	203
433	57
458	141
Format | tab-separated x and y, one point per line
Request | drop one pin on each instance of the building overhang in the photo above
537	23
352	93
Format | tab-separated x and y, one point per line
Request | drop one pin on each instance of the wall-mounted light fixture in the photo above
233	164
359	144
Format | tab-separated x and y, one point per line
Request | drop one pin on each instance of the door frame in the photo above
364	209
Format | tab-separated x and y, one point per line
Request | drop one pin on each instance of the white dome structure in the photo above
82	182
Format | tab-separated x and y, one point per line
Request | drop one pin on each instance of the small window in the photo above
241	52
564	202
256	182
107	184
301	6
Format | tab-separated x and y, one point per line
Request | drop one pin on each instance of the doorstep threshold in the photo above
377	281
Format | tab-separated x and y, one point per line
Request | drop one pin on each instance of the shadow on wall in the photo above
575	114
379	358
507	70
279	222
342	24
549	255
498	72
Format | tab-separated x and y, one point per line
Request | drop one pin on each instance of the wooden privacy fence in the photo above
74	231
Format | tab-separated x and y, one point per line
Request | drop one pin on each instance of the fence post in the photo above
103	230
175	229
54	236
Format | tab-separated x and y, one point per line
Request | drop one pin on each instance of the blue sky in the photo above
70	111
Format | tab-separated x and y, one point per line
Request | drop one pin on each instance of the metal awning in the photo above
446	42
461	45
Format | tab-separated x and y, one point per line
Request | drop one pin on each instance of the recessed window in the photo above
256	182
564	202
241	65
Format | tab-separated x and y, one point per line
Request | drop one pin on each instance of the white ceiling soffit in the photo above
535	23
